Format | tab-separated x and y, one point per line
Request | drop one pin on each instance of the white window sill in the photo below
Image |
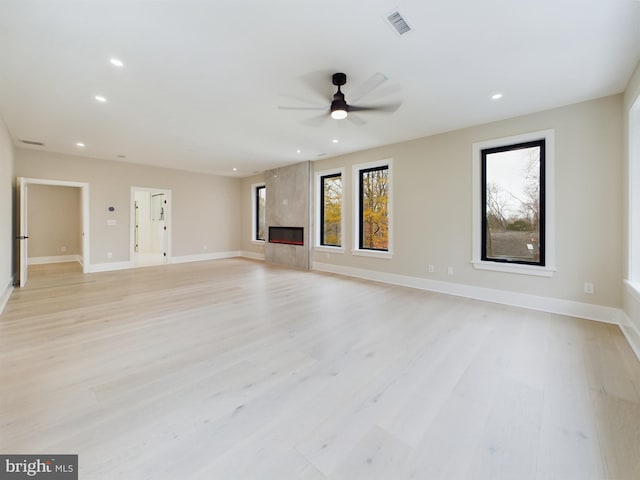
372	253
328	249
515	268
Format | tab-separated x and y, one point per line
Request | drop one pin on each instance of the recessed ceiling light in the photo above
298	151
100	98
116	62
235	169
335	140
80	145
496	96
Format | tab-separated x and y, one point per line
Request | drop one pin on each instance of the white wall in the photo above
432	204
54	221
7	233
432	211
205	208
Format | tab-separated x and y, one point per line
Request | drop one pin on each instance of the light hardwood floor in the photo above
233	369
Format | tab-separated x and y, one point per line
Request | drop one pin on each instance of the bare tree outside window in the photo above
374	212
513	199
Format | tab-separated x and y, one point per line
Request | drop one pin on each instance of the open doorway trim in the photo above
84	188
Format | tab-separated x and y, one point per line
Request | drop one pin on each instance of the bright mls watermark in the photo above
49	467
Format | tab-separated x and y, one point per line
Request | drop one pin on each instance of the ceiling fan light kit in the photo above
338	114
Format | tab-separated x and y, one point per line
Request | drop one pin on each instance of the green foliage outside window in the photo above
374	208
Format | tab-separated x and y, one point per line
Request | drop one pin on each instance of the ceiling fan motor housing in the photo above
339	103
339	79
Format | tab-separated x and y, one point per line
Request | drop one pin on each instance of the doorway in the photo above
150	222
23	219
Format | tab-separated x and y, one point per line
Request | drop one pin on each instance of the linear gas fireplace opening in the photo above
287	235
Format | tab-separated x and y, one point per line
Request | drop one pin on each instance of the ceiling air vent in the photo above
398	23
32	142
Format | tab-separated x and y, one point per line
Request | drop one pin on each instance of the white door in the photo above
150	226
158	230
23	235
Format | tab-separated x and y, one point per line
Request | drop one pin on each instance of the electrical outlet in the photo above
588	288
204	247
450	270
109	255
63	249
431	268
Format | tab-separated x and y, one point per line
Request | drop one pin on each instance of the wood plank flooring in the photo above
233	369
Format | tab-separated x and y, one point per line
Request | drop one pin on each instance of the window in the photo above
373	209
634	194
513	204
513	200
259	203
329	185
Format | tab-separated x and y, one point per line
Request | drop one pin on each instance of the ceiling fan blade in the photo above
302	108
319	82
356	120
388	108
315	121
302	100
367	87
385	92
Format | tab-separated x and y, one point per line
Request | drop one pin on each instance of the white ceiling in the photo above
203	79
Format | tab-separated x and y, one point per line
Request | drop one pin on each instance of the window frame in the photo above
547	227
633	196
358	250
484	153
319	177
255	199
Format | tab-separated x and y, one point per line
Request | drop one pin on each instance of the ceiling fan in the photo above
339	109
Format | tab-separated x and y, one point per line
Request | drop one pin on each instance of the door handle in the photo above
22	237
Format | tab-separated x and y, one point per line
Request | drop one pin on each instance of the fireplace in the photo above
287	235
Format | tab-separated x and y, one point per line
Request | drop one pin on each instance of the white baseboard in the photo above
631	325
252	255
109	267
546	304
53	259
204	257
113	266
5	294
631	333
